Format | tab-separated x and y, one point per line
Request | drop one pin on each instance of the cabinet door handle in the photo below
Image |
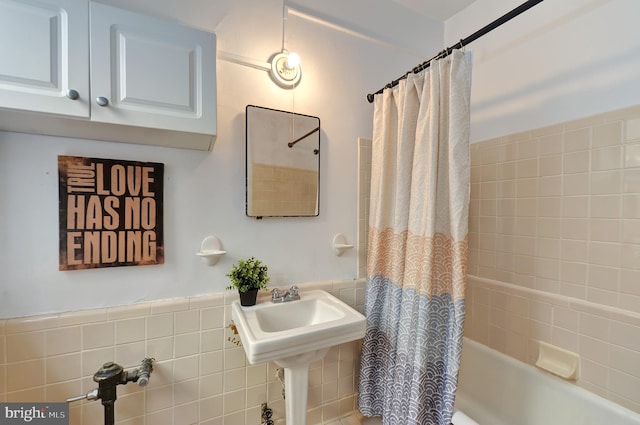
73	94
102	101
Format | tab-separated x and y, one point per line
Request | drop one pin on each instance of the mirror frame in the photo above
295	136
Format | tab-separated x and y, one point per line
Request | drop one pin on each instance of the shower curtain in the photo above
417	261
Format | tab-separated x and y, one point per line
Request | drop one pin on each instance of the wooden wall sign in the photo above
110	213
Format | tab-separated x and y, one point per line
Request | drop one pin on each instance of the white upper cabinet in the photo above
45	56
144	73
94	71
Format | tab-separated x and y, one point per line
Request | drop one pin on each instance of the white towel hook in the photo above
340	244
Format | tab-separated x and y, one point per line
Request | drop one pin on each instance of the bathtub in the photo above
495	389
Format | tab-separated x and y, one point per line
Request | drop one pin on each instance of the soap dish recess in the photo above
558	361
211	250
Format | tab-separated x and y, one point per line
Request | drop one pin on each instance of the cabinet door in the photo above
152	73
44	54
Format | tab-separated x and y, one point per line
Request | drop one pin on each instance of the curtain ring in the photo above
462	46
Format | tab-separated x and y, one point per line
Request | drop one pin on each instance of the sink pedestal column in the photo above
296	384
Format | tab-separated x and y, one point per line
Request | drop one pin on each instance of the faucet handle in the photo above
91	395
293	291
275	294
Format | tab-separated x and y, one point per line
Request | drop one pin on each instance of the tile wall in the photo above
201	376
555	247
364	193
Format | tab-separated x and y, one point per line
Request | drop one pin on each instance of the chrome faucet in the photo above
291	295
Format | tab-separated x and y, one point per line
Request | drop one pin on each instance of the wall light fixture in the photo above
285	69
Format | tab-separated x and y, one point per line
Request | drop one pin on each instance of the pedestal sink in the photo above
293	335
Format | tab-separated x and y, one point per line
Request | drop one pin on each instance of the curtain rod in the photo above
463	42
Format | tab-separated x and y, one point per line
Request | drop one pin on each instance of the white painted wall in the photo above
204	192
559	61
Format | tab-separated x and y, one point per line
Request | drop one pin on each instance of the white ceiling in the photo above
436	9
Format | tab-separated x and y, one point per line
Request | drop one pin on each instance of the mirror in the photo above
283	163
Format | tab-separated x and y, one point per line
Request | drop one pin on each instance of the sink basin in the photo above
271	332
294	334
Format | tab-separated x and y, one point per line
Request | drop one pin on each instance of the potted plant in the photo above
248	276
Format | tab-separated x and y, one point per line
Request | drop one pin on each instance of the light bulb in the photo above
285	69
293	60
